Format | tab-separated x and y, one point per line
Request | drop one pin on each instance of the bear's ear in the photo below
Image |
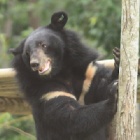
58	20
18	50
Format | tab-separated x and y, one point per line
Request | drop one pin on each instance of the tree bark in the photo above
124	125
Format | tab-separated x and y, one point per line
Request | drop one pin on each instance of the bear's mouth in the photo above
44	70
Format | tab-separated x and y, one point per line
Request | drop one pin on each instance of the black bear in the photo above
71	95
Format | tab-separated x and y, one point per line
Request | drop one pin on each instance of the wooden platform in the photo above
11	99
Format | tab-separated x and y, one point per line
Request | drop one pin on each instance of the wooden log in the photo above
11	99
14	106
126	111
7	73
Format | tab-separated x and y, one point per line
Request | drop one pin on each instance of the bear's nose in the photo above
34	65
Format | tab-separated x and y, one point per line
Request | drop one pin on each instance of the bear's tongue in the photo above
45	68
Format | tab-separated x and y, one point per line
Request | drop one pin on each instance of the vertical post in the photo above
125	119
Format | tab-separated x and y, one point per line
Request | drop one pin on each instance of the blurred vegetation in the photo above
97	21
16	127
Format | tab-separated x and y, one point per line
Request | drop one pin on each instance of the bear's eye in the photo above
44	46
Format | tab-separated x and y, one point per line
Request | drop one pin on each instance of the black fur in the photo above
62	117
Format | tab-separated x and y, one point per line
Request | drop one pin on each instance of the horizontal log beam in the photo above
11	99
14	106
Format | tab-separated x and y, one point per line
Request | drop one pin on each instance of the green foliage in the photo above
101	25
3	49
16	128
98	22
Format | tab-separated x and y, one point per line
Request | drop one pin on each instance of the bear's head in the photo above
42	51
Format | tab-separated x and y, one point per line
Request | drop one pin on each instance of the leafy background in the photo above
97	21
